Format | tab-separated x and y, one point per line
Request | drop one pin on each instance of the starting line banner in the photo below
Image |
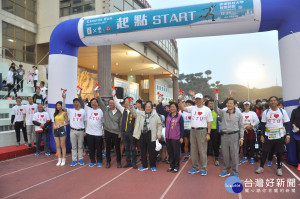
210	13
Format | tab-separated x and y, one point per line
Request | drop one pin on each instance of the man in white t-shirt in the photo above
29	110
275	133
77	117
201	119
43	89
250	121
94	132
17	118
41	120
35	77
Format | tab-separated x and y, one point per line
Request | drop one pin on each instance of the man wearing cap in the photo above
232	136
200	133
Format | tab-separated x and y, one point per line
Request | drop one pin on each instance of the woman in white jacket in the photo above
147	129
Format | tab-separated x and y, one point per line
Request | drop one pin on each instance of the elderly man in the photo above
200	134
232	136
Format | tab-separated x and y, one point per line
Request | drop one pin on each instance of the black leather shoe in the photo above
127	165
119	165
134	166
108	165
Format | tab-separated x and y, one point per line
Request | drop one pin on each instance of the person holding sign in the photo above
174	133
200	133
275	133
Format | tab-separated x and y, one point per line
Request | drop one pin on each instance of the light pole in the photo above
248	90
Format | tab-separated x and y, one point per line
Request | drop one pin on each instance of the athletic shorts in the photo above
60	132
274	145
187	133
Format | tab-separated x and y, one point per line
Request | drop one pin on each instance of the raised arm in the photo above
118	105
161	110
181	107
216	108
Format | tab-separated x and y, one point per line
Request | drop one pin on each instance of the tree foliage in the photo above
198	83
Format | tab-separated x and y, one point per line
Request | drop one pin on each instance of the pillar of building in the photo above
104	71
175	88
151	88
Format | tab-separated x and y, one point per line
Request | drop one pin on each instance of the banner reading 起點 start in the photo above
210	13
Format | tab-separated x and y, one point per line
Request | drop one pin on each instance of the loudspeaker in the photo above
120	92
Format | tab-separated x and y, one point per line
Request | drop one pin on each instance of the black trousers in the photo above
298	150
109	138
18	127
10	87
216	141
20	84
34	84
129	142
147	145
95	148
173	147
249	148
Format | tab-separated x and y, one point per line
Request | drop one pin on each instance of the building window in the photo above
69	7
20	44
25	9
125	5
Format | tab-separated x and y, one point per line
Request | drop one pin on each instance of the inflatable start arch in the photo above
209	19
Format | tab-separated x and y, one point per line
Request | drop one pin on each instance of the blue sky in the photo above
228	56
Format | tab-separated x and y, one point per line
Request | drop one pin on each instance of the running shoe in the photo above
142	169
99	164
236	175
224	174
252	161
81	162
37	154
185	159
91	164
203	173
279	172
170	170
153	169
47	154
73	164
259	170
244	160
193	171
298	168
269	163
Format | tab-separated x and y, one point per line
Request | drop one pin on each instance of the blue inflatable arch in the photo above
209	19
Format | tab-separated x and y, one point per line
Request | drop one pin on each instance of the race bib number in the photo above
187	125
274	134
38	101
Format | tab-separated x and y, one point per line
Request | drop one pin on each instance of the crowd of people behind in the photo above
195	128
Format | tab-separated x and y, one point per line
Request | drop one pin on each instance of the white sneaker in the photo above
59	162
63	162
